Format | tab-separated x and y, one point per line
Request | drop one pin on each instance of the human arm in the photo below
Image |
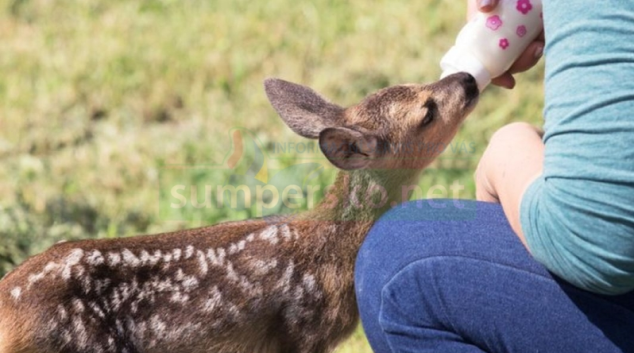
511	162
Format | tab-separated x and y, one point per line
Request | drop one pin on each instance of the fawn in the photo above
283	284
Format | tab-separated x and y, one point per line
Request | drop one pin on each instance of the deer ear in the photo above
302	109
349	149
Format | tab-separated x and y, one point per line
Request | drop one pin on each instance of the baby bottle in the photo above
490	43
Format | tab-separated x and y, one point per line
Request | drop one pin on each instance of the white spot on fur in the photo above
162	285
299	294
78	306
231	273
309	282
125	291
16	292
114	259
286	232
237	247
81	337
270	234
130	259
202	262
179	297
119	327
145	257
285	281
249	287
180	275
33	279
86	284
71	260
50	267
95	258
211	255
141	330
157	326
74	257
67	336
81	270
221	254
156	257
214	301
261	268
216	257
176	253
233	310
190	283
115	299
97	310
62	314
36	277
189	252
250	237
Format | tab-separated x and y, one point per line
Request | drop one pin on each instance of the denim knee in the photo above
407	233
420	230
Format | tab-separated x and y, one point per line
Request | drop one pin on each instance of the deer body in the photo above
235	287
280	284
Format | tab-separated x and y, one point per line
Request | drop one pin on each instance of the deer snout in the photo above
463	87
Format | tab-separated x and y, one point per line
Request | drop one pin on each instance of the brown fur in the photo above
281	284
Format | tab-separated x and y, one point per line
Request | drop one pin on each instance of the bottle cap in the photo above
461	60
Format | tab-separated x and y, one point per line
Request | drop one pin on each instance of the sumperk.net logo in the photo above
253	183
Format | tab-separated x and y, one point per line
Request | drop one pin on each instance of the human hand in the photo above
529	58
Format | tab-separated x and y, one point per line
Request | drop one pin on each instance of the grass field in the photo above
98	97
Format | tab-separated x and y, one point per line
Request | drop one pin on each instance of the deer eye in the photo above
431	107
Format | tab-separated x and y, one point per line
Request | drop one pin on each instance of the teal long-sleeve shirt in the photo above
578	218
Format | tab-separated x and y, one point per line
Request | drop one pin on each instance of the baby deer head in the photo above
403	126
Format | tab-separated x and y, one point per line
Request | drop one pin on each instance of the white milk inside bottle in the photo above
490	43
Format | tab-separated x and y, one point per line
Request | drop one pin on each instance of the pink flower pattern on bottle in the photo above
494	22
504	43
524	6
521	31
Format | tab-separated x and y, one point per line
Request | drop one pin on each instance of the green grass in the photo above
97	97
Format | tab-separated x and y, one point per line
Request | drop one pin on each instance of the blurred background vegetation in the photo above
96	97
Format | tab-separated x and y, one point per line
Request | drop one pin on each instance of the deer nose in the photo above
468	79
470	86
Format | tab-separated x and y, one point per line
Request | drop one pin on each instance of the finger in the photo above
487	5
475	6
506	81
529	57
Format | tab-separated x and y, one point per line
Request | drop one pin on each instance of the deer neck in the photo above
358	198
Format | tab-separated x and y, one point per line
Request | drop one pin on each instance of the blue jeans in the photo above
451	276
